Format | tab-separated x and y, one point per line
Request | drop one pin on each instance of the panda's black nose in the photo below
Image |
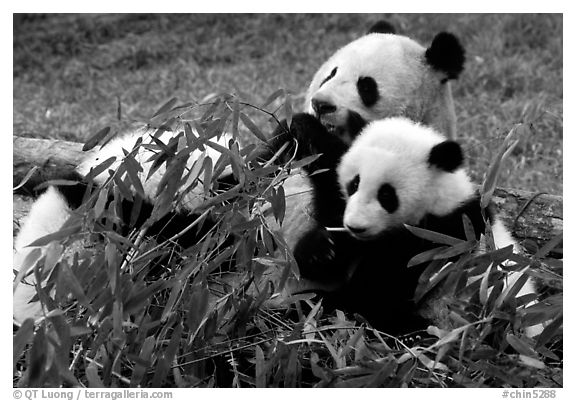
322	107
356	230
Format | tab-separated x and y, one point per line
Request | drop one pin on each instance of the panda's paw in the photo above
310	134
315	252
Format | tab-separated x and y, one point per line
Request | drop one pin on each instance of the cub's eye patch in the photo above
352	186
329	77
368	91
388	198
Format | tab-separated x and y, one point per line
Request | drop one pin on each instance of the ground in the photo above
71	72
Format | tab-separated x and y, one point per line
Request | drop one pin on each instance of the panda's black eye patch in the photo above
368	91
388	198
352	186
329	77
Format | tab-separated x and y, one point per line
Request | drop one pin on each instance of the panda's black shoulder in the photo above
452	224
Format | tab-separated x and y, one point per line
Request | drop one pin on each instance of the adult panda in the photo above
379	75
160	197
382	74
396	173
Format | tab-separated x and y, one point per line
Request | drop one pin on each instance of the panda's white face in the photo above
385	75
376	76
388	180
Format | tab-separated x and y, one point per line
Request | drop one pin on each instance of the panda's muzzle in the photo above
322	107
356	231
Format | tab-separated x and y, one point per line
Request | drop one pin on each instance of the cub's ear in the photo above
382	27
446	55
446	156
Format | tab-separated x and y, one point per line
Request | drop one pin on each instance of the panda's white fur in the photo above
51	210
408	85
46	216
394	62
396	151
119	145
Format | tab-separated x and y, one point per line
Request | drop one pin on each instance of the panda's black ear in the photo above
382	27
446	156
446	54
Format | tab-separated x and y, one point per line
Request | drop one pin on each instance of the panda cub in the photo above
135	208
396	173
383	74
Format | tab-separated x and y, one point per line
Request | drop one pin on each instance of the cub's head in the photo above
382	75
395	173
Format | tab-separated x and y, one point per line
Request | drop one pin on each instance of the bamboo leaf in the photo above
456	250
549	246
132	169
489	184
511	291
209	113
96	171
122	187
22	338
278	202
61	234
531	362
288	109
174	294
252	127
304	161
275	95
549	331
55	183
26	178
468	228
425	256
207	173
197	307
69	278
484	285
29	261
101	202
520	346
260	367
235	118
201	135
143	361
95	139
141	298
166	107
433	236
163	365
38	361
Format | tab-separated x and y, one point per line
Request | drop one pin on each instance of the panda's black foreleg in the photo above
69	182
325	257
305	137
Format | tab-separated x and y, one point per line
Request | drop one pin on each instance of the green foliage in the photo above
126	310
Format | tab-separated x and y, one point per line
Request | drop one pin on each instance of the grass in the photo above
72	71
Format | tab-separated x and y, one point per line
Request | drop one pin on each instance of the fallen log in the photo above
534	218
